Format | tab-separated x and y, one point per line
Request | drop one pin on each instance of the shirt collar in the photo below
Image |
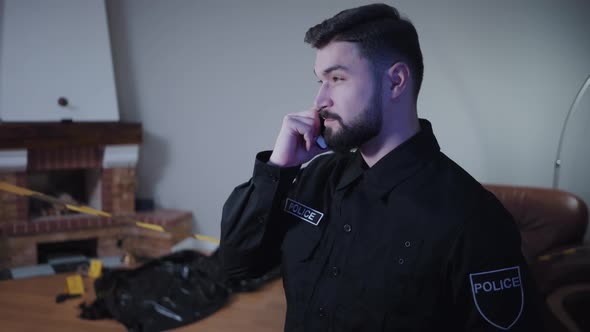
397	165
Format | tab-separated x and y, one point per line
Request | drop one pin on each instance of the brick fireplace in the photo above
92	164
112	188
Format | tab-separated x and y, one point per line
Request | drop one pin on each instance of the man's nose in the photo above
323	99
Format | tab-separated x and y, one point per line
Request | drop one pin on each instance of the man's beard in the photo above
361	129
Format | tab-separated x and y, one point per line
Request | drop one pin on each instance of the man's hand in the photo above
296	144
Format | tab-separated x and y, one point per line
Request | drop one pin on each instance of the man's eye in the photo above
333	79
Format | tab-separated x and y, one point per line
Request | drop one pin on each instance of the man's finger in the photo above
302	127
304	118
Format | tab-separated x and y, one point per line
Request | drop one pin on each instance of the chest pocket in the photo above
403	260
300	242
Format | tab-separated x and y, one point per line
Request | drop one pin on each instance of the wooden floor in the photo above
29	305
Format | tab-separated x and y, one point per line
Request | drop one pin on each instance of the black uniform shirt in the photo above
411	244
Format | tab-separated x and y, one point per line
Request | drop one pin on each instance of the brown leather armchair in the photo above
552	225
548	219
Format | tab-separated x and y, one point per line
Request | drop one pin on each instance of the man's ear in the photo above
399	79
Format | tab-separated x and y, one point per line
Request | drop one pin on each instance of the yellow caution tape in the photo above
206	238
153	227
565	252
88	210
15	190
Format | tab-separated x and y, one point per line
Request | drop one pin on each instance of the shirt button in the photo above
407	244
322	312
273	177
400	261
347	228
335	271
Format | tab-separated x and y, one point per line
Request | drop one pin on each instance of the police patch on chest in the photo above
303	212
499	296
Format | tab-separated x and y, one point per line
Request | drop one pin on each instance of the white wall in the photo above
211	80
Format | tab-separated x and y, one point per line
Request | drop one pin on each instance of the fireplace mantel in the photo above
33	135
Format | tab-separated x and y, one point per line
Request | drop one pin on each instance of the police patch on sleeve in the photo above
498	296
303	212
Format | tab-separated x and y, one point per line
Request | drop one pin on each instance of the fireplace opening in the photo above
59	250
77	186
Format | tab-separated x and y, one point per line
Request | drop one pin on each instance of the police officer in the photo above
386	233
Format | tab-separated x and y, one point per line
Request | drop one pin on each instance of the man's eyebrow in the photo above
332	68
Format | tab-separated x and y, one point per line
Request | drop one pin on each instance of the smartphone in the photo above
320	141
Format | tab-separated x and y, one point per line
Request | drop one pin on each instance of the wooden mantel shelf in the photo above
18	135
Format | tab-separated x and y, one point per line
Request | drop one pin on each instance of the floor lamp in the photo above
571	111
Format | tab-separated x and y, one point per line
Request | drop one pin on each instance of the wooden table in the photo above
29	305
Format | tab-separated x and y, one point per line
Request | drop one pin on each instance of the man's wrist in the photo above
270	163
274	163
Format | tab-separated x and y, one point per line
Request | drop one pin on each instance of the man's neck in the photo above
390	138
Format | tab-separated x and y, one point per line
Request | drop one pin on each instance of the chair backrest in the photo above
547	218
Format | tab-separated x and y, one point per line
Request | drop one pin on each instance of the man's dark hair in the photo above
382	35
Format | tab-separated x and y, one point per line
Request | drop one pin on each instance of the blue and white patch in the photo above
303	212
499	296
